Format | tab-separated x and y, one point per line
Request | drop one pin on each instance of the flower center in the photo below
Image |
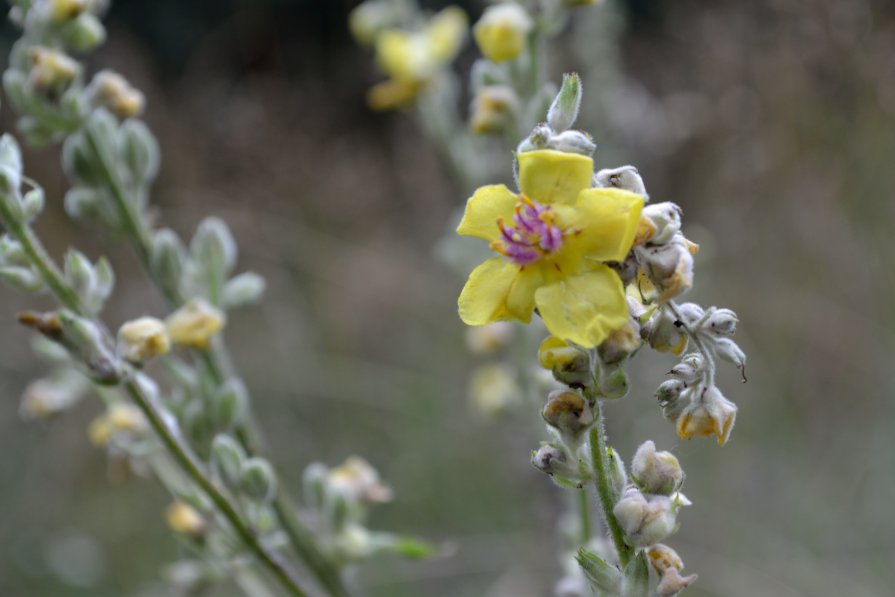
532	235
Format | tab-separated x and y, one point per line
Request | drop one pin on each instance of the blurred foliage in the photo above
771	123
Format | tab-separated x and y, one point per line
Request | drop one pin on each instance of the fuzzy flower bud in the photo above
708	414
626	178
646	519
564	110
620	343
663	335
502	32
573	142
555	461
357	480
667	218
65	10
258	480
113	91
568	412
690	369
656	472
195	323
570	365
51	70
493	109
722	322
143	338
668	564
669	266
185	520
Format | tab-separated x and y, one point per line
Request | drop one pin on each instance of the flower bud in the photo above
230	404
494	109
626	178
195	323
111	90
143	338
710	414
620	343
314	484
722	322
243	290
65	10
573	142
564	110
731	352
32	204
186	520
656	472
227	457
357	480
663	335
691	313
140	150
166	260
23	279
568	412
258	480
645	519
570	365
10	165
670	390
668	564
51	70
554	460
613	382
538	139
669	266
84	33
667	218
690	369
502	32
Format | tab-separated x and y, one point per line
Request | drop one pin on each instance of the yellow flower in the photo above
412	58
184	519
552	239
713	414
143	338
195	323
502	32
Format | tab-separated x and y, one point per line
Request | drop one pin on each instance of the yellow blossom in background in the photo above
184	519
120	418
493	109
143	338
195	323
502	32
51	68
412	58
64	10
114	92
552	239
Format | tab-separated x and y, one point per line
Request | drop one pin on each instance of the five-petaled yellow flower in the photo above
412	58
553	239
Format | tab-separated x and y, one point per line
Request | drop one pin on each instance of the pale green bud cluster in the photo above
556	133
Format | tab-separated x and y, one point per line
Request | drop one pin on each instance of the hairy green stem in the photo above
192	468
583	516
600	460
301	539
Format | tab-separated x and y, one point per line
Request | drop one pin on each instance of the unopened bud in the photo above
570	365
564	110
626	178
65	10
614	383
502	32
568	412
554	460
645	519
731	352
691	313
51	70
111	90
143	338
656	472
258	480
690	369
166	260
231	402
573	142
140	150
357	480
722	322
32	204
186	520
620	343
662	333
84	33
667	218
669	266
195	323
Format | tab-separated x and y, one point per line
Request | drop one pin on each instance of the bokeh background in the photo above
769	122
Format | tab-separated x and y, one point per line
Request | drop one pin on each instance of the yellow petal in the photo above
392	94
488	204
549	176
606	220
445	34
499	290
584	309
402	55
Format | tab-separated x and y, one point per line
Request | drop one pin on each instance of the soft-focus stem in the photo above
301	539
600	461
191	467
583	515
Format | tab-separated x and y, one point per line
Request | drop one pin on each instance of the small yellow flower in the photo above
357	479
115	93
184	519
195	323
120	418
502	32
412	58
712	415
493	109
51	69
143	338
552	239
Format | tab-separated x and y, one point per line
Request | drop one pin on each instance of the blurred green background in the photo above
769	122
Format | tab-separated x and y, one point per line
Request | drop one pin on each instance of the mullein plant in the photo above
603	268
189	423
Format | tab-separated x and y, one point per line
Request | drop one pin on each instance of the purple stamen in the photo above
532	235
